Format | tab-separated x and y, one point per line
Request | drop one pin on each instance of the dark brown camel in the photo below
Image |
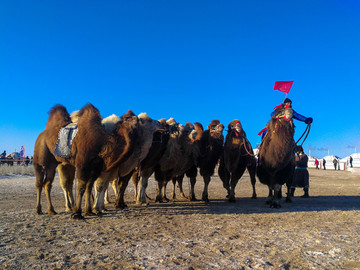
180	155
276	161
210	143
86	146
238	155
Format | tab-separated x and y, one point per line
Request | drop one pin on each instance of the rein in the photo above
307	131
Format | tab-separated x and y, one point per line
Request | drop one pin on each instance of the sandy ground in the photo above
321	232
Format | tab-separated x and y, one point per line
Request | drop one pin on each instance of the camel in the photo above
123	136
180	155
83	163
125	168
238	155
276	160
147	166
211	146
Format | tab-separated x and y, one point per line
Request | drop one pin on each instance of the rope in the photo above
307	131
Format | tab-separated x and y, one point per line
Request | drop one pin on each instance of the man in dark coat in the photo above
301	174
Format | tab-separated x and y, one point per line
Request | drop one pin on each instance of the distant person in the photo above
351	160
335	163
301	174
27	161
324	163
3	155
317	164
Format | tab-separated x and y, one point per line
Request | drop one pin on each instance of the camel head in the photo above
236	127
189	131
150	124
285	112
216	129
174	127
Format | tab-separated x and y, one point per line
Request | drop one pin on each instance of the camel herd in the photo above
116	149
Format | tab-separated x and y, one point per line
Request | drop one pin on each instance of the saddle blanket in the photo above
65	140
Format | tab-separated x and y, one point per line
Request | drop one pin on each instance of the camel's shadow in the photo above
246	206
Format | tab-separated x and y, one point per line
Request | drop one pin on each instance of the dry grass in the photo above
16	170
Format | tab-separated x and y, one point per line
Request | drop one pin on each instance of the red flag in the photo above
283	86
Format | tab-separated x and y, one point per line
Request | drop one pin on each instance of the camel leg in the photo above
163	192
79	194
88	193
123	183
67	175
158	191
253	181
233	182
192	196
173	193
180	180
49	178
205	195
135	179
141	199
39	172
276	201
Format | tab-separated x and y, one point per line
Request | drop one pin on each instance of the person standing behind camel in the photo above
324	162
335	163
317	164
301	174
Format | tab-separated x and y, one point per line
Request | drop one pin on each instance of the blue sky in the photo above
191	60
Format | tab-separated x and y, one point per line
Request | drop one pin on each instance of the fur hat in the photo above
287	100
299	148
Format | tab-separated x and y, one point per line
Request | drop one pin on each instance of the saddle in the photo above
65	140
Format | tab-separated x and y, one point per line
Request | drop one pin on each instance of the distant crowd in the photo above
11	160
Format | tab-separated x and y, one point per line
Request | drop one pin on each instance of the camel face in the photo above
190	131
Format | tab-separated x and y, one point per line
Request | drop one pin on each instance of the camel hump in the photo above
110	122
58	116
89	113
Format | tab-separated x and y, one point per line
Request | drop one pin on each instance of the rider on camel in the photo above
287	103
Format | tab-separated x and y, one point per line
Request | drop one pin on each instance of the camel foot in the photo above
182	195
77	216
275	205
52	212
89	214
254	197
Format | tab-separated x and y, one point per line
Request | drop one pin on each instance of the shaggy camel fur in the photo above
85	150
238	155
125	169
276	160
180	155
147	166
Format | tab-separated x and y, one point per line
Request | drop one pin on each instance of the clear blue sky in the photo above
191	60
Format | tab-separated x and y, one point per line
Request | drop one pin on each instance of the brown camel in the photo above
276	160
140	149
238	155
84	156
124	134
